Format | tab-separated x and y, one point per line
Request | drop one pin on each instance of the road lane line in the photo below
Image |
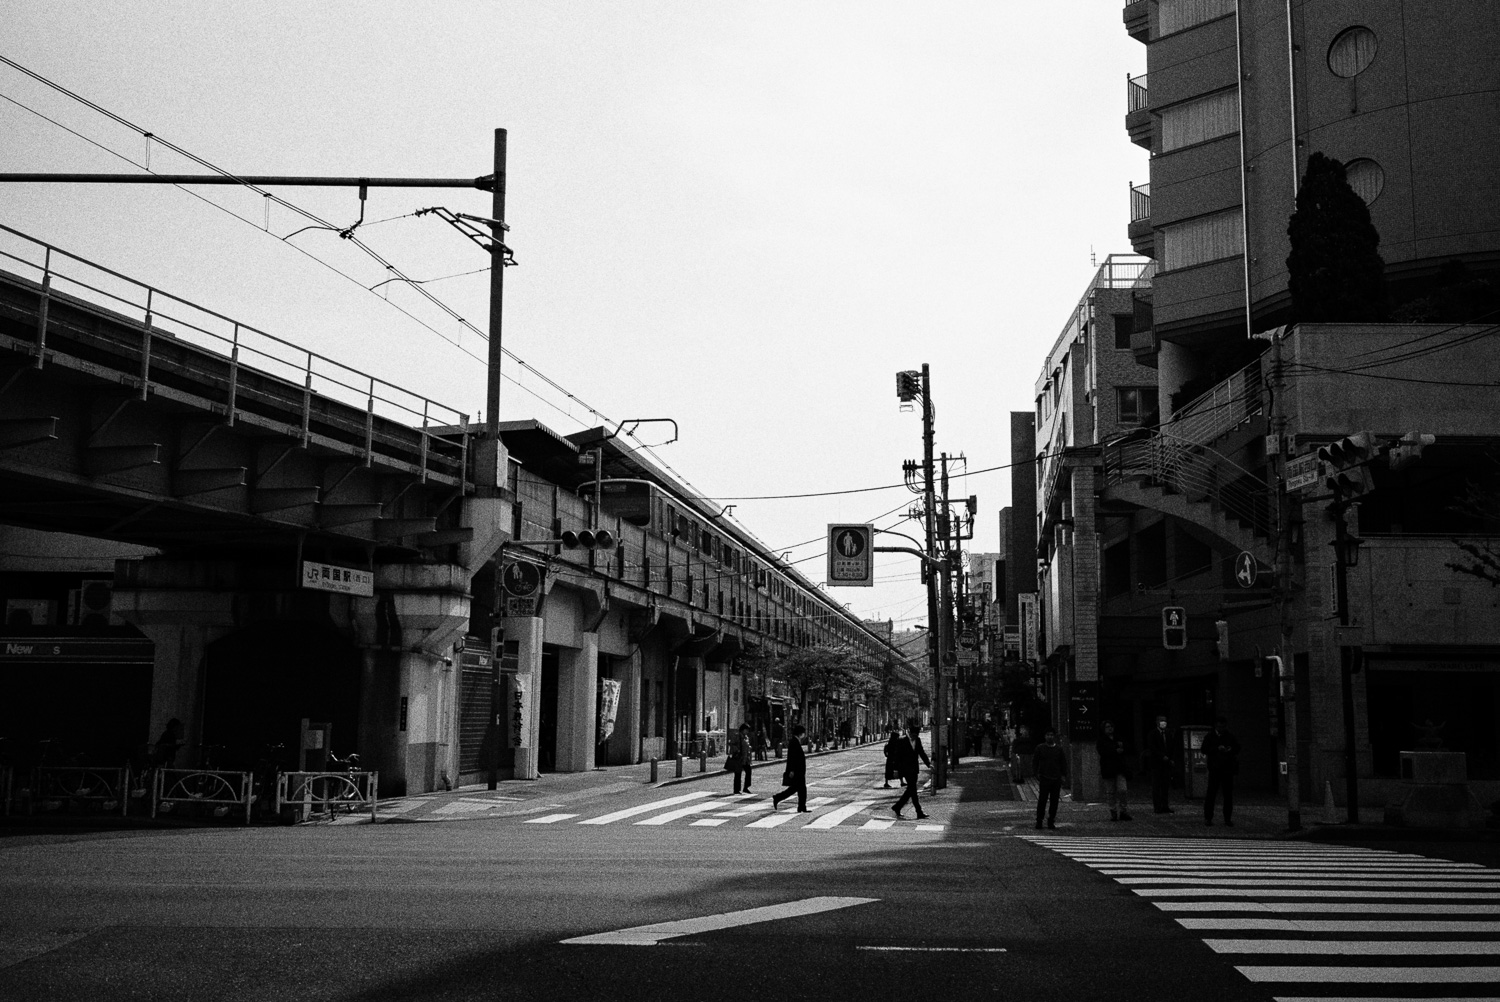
548	819
937	949
834	818
1374	975
651	935
655	805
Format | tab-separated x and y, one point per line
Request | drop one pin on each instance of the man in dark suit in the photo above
907	754
795	776
1222	750
1158	758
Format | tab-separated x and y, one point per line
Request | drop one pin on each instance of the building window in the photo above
1199	120
1176	15
1137	404
1206	238
1366	177
1352	51
1124	328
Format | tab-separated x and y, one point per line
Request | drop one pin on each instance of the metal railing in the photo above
99	788
161	315
1137	95
1140	202
1195	471
1220	410
327	792
217	790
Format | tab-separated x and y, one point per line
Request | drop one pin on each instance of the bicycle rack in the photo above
327	792
217	789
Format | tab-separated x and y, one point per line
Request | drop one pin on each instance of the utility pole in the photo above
934	622
945	633
1286	677
1342	545
497	294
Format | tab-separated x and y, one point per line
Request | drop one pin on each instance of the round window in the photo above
1366	177
1352	51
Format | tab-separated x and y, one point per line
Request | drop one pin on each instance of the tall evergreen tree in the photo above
1337	274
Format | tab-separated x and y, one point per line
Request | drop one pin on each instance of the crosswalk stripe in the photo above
655	805
1329	907
1355	947
875	825
708	822
549	819
682	812
1351	881
1373	975
1338	925
1383	998
773	820
1280	892
836	817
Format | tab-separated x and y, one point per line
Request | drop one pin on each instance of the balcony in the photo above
1138	20
1142	235
1138	122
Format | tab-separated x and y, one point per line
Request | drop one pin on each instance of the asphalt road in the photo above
483	907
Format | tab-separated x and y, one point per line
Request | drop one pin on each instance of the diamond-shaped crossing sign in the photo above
851	555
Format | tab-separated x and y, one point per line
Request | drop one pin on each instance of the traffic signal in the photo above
588	539
1221	644
1409	449
1174	627
1348	457
908	385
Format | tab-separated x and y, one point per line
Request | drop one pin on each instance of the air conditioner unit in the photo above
94	596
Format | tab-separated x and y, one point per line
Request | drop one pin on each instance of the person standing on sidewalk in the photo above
795	776
1051	765
740	752
1159	763
1113	772
909	752
1222	750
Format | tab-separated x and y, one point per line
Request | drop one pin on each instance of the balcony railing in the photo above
1219	411
1140	202
1136	95
1196	472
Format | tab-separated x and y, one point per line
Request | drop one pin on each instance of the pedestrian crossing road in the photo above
707	809
1318	922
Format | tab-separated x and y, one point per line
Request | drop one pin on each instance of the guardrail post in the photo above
146	348
653	770
234	374
370	422
703	761
679	765
41	322
307	401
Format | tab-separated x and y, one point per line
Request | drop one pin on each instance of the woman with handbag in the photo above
739	756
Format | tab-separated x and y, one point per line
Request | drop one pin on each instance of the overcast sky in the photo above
746	217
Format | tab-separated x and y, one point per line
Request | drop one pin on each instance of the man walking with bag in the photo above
1051	765
907	754
795	776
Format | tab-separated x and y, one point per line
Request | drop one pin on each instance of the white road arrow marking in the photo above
651	935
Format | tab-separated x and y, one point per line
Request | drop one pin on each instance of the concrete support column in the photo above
577	700
179	676
690	668
1085	601
525	688
625	743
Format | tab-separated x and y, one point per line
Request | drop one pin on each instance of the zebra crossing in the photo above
1318	922
702	809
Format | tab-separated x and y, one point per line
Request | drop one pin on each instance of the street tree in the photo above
1336	272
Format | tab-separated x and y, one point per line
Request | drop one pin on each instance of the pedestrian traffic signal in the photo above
1409	449
588	539
851	555
1174	627
1349	475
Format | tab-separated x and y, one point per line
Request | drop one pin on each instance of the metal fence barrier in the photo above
218	790
101	788
327	792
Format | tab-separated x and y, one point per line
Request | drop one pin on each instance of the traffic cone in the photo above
1330	811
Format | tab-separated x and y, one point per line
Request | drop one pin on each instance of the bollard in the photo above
679	765
703	761
653	769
